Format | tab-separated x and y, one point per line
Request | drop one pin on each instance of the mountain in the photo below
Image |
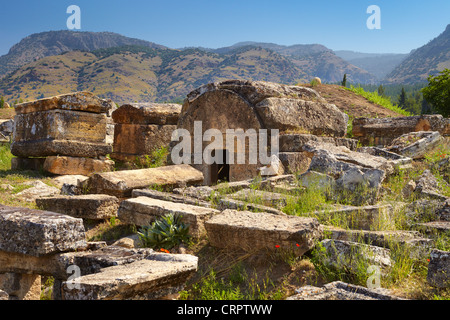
143	74
378	64
429	59
314	59
40	45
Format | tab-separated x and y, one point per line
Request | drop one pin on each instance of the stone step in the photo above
94	206
434	227
439	269
77	166
143	210
151	278
244	230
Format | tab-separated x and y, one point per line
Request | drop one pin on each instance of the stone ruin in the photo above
313	147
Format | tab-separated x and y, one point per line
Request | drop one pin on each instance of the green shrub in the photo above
165	233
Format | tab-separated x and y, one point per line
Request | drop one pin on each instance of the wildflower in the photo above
277	246
428	260
297	245
164	250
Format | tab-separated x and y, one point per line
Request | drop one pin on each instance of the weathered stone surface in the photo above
439	269
418	245
94	206
122	183
37	233
254	231
7	127
78	101
21	286
77	166
69	179
71	148
295	114
38	189
358	177
142	210
416	144
166	196
382	131
148	278
362	218
57	265
350	255
295	162
22	164
424	210
202	192
147	113
274	168
3	295
341	291
433	227
265	198
228	203
132	140
427	186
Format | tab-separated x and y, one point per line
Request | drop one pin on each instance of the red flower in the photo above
164	250
297	245
428	260
277	246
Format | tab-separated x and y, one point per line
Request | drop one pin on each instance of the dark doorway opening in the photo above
220	172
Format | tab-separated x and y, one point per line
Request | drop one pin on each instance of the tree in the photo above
381	90
402	99
2	102
344	81
437	93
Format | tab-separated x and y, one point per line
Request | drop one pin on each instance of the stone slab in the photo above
255	231
143	210
94	207
70	148
122	183
37	233
77	166
147	113
439	269
143	279
77	101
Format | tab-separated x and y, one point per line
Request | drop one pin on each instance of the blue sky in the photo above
339	25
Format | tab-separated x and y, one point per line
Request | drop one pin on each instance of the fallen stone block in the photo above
227	203
202	192
142	211
416	144
38	233
428	187
69	179
253	231
418	245
78	101
360	218
341	291
433	227
77	166
265	198
382	131
149	278
295	142
166	196
37	190
353	256
147	113
295	162
94	207
122	183
439	269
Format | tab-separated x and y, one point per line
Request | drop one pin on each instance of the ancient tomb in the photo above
64	134
251	110
142	128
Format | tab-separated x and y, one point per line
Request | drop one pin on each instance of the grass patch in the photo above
379	100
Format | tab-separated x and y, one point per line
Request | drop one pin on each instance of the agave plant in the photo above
167	232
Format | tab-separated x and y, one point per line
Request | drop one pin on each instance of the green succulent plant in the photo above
166	232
